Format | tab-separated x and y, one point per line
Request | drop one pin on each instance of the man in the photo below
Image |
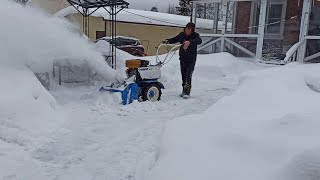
188	55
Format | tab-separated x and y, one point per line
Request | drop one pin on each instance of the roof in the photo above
145	17
98	3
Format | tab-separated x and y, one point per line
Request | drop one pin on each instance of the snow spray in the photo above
29	37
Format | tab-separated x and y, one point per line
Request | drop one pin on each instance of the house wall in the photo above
273	47
292	25
277	48
242	21
150	35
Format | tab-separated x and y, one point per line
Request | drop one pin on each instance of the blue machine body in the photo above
147	82
130	91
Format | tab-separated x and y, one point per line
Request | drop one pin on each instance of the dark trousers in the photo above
186	72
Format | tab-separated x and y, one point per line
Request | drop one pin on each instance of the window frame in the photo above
254	13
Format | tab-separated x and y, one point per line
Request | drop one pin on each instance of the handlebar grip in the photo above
165	42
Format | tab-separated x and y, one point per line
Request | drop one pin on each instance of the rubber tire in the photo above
145	92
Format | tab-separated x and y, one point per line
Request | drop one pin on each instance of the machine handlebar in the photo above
174	48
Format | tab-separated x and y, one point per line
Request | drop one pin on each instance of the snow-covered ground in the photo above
97	138
76	132
266	129
244	121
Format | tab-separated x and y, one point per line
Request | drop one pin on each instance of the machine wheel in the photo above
152	93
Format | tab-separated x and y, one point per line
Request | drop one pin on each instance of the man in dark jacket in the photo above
188	55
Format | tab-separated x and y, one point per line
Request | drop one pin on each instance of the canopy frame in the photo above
88	7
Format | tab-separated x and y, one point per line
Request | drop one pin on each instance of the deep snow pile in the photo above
95	137
105	140
29	114
34	40
121	56
267	129
28	117
24	103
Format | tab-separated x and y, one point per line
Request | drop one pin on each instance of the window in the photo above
274	19
126	42
100	34
276	12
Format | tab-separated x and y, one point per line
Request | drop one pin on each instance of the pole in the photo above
194	13
224	24
215	22
261	29
304	29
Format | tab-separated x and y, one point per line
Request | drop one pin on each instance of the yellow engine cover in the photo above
133	63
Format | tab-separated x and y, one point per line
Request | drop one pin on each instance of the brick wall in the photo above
243	17
292	25
242	22
275	47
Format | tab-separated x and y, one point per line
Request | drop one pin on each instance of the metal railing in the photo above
292	54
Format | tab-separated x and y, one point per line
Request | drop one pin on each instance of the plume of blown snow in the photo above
33	38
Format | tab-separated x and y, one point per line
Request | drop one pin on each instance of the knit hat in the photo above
191	25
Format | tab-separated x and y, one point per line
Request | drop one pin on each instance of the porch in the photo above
271	31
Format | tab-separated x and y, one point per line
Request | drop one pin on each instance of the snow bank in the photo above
29	116
219	64
27	110
292	50
104	48
267	129
34	39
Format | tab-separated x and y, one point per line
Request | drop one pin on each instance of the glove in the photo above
165	41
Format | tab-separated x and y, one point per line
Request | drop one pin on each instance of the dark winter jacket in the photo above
190	54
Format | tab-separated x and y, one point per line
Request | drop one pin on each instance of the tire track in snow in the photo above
104	140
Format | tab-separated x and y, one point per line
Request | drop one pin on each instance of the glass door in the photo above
313	41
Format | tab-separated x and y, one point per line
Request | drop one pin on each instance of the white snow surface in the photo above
28	117
146	17
88	135
292	50
244	121
266	129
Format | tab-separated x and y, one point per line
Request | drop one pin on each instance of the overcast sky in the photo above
147	4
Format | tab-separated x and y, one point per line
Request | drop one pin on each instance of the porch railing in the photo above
227	38
292	54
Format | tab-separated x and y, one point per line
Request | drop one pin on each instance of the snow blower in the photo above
142	82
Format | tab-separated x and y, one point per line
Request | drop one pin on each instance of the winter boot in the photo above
187	92
183	91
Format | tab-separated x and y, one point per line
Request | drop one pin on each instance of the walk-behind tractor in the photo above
142	82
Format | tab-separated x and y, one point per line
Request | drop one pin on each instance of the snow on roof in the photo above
146	17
